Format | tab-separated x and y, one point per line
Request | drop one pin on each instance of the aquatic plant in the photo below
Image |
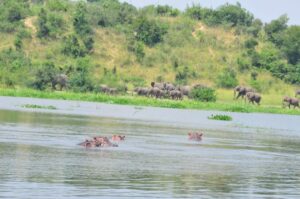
220	117
38	106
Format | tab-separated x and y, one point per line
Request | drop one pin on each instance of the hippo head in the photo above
118	137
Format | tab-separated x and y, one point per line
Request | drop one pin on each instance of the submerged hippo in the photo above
195	136
98	141
118	138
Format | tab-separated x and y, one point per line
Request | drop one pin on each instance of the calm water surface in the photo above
40	158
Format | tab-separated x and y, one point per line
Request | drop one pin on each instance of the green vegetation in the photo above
220	117
203	94
114	43
39	106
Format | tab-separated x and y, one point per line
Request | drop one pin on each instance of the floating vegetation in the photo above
38	106
220	117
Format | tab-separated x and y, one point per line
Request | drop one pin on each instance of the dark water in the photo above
39	158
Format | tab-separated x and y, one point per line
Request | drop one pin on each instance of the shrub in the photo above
44	76
80	80
80	22
43	27
72	47
204	94
251	43
149	31
220	117
227	79
182	76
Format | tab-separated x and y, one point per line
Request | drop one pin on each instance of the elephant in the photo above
290	101
107	90
185	90
297	93
242	91
253	97
142	91
169	87
161	86
156	92
112	91
176	95
104	89
197	136
59	79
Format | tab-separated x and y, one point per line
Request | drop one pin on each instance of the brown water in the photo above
40	158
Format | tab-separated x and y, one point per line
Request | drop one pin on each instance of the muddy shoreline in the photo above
164	116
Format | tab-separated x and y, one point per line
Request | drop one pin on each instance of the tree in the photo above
276	28
291	44
72	47
149	31
43	28
227	79
234	14
80	22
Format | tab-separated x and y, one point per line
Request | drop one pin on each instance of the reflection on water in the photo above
39	158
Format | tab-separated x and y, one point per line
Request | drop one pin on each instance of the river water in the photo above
40	158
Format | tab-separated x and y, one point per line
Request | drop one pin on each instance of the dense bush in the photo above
11	13
149	31
226	14
167	11
291	44
80	21
182	76
204	94
72	47
251	43
275	29
57	5
227	79
80	79
43	76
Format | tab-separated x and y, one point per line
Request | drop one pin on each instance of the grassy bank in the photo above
236	106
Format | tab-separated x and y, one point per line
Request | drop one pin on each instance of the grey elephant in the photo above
142	91
185	90
112	91
297	93
104	89
241	91
253	97
176	95
156	92
61	80
169	87
288	101
161	86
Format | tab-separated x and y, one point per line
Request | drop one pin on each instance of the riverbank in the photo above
235	106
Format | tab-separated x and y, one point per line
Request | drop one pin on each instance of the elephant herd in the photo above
165	90
253	97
